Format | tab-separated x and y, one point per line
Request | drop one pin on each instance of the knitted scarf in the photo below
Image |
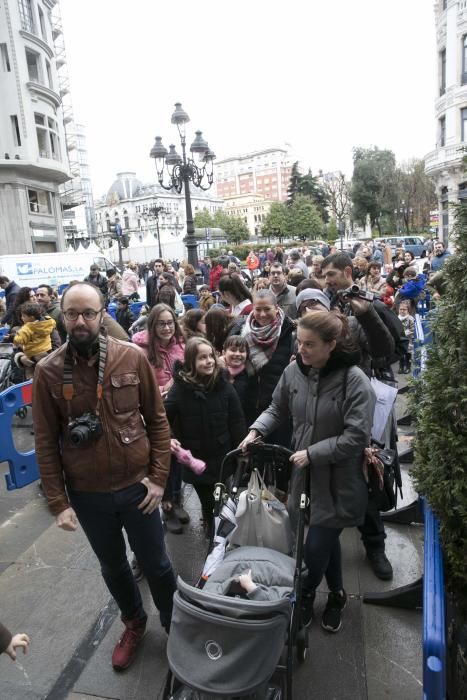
262	340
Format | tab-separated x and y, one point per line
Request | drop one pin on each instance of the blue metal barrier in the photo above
4	331
23	465
190	301
136	307
112	310
434	624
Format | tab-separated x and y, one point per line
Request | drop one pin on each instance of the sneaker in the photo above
306	610
172	523
126	647
380	564
332	614
181	513
136	569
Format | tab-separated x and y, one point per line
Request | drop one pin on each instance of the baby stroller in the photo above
224	646
10	374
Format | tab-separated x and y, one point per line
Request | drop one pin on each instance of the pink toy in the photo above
185	457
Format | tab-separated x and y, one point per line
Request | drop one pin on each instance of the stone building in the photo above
33	156
444	164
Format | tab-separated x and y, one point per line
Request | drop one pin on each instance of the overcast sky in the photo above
321	76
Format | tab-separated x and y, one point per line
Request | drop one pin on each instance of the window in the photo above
49	74
42	23
126	222
33	61
442	72
5	59
47	137
16	132
463	124
26	16
442	131
464	60
39	202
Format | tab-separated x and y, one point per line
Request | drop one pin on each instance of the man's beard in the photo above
85	345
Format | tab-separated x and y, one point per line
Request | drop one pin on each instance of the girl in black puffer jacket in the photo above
205	415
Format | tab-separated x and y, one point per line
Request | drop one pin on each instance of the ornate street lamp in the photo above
152	212
182	170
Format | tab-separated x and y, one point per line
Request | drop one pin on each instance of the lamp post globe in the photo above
183	170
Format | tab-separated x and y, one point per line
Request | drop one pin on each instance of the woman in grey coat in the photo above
331	402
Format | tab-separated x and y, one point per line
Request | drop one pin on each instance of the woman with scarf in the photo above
270	338
206	416
331	402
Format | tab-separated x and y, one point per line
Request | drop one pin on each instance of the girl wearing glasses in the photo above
163	345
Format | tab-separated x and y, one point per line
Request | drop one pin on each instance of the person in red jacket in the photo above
218	267
252	261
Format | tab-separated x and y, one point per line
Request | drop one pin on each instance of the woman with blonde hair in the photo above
130	280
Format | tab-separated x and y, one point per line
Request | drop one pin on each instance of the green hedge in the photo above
440	406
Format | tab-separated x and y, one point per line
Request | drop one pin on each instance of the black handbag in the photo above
381	480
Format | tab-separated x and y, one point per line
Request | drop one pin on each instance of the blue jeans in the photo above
323	558
103	517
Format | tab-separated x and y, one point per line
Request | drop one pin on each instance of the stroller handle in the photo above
262	449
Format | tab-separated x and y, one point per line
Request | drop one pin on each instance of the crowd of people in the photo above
284	351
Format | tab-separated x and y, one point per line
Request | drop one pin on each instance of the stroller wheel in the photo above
302	645
22	412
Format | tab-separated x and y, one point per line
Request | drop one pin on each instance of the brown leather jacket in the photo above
136	436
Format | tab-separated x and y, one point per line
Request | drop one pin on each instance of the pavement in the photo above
50	587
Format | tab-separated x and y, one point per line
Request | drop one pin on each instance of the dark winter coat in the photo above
125	317
263	383
100	282
332	411
11	292
208	423
189	285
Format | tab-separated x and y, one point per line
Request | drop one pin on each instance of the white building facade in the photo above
128	203
33	157
444	164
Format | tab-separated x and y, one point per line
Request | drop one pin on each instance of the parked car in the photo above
413	244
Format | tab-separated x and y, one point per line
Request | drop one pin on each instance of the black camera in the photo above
354	292
84	429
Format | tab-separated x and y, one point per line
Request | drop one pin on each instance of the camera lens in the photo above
79	434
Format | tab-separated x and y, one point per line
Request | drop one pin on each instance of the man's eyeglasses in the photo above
163	324
276	272
87	314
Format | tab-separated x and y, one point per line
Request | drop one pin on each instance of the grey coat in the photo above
333	424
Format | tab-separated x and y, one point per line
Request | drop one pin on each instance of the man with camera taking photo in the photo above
103	448
337	269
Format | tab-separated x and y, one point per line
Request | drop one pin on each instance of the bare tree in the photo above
338	193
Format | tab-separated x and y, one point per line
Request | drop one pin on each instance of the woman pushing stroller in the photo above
331	402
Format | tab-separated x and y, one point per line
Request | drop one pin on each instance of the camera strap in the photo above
68	389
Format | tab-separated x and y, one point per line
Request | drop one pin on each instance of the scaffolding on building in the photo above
77	191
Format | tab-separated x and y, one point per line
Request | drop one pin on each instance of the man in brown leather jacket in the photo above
113	477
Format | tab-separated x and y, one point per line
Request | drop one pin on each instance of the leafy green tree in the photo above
203	219
294	184
277	221
374	185
306	221
310	187
332	230
234	227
